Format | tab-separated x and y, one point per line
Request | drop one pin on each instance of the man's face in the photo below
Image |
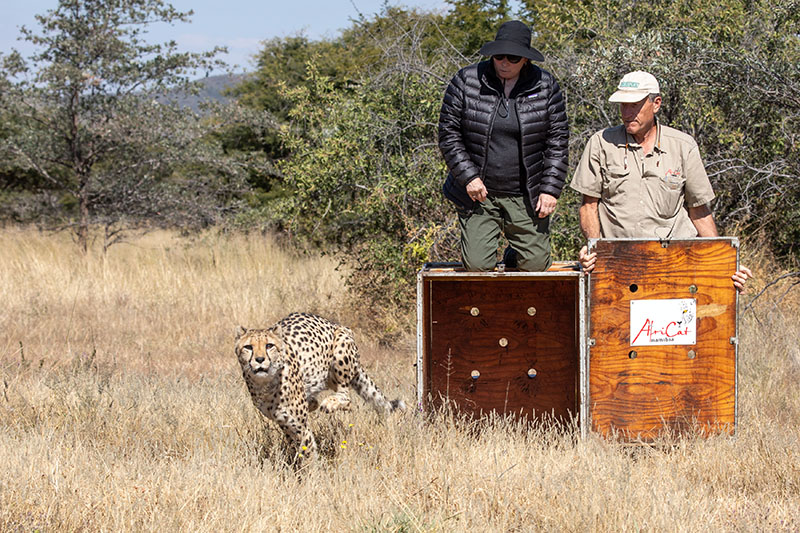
639	117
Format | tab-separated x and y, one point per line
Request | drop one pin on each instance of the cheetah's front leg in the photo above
338	401
294	423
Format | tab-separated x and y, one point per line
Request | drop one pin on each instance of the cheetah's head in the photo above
260	352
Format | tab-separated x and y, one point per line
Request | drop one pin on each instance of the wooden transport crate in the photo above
662	336
508	342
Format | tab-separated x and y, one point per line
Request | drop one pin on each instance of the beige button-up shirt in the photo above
643	196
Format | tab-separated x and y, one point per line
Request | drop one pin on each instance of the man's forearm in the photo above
703	221
589	219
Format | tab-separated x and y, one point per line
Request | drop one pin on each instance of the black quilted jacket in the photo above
468	111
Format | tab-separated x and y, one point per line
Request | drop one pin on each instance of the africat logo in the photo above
663	322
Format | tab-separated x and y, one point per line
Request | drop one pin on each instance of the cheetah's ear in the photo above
240	331
277	331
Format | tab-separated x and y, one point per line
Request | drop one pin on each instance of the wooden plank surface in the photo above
664	386
484	325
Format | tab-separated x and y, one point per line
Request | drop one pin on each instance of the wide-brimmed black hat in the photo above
514	38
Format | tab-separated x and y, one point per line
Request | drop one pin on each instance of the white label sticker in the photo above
663	322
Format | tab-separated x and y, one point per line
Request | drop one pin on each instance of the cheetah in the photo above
288	366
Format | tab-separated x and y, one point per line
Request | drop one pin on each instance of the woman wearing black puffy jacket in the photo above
504	136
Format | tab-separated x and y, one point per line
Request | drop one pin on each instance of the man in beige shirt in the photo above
643	179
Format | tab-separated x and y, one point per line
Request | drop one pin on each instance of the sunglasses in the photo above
511	59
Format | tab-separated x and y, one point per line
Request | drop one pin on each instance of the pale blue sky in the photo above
241	25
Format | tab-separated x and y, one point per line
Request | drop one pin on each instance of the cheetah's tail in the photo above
371	394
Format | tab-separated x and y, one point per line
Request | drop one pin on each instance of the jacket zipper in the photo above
489	134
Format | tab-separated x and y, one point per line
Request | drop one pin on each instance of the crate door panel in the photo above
504	345
662	320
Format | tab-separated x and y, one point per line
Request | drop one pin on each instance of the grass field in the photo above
123	409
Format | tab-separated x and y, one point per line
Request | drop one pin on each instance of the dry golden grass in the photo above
122	409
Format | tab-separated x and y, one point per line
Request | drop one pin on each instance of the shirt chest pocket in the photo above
666	191
616	183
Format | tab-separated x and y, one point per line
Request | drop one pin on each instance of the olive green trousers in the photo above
527	234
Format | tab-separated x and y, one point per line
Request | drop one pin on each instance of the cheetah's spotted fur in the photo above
287	367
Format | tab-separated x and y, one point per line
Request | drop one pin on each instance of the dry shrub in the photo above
122	409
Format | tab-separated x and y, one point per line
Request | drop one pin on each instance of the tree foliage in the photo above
86	119
365	172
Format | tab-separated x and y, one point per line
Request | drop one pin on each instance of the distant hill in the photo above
211	88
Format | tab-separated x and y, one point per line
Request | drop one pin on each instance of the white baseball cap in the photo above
634	87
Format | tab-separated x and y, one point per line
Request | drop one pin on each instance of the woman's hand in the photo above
477	190
546	205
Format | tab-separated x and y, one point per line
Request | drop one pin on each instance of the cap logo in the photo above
629	85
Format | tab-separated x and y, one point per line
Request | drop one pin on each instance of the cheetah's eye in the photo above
269	346
248	347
